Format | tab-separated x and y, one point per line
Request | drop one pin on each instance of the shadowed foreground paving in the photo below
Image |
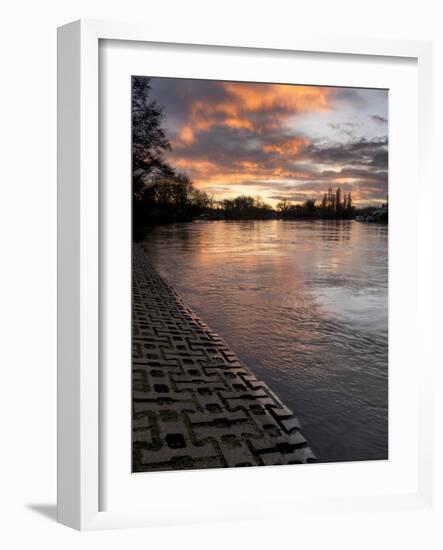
195	405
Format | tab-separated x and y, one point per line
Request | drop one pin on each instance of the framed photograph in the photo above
243	325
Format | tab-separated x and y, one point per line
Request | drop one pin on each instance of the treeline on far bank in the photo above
334	206
175	199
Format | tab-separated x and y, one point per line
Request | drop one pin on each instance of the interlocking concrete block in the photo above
195	404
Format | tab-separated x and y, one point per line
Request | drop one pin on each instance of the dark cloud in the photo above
380	159
342	125
348	96
177	95
379	119
358	152
217	189
292	197
344	128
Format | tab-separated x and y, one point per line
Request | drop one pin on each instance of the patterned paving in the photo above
195	405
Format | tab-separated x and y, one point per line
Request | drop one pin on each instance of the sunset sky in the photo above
277	141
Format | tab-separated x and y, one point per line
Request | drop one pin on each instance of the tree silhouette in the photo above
349	204
159	193
149	141
283	206
338	203
324	203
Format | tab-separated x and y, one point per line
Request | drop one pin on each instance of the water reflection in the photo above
304	305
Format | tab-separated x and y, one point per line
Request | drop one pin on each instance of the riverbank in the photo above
195	405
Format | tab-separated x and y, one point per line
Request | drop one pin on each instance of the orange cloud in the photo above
196	168
290	146
254	97
239	123
236	110
268	159
186	135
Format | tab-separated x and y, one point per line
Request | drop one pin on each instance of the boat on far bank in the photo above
378	215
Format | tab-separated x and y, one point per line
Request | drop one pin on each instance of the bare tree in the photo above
149	141
283	206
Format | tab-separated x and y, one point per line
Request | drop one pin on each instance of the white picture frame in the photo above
80	445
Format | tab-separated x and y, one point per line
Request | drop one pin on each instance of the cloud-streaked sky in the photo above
277	141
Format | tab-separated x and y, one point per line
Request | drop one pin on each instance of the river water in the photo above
304	304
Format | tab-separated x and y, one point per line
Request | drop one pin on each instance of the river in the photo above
304	304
